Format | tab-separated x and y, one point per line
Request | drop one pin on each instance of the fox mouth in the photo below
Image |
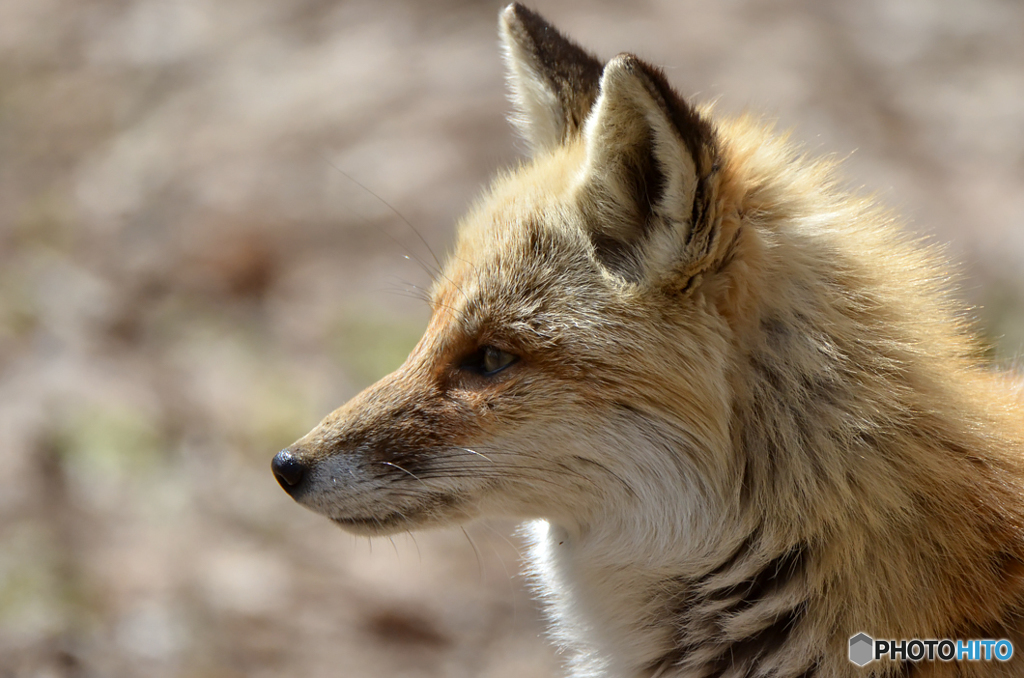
374	524
395	521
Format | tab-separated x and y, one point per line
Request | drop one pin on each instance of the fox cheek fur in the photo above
741	404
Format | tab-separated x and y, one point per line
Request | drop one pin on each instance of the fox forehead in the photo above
522	257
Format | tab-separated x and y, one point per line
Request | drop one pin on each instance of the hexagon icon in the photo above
862	649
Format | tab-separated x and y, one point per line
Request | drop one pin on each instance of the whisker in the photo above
484	456
438	463
597	464
413	295
479	562
388	463
415	543
407	283
433	272
412	256
506	539
386	204
404	293
508	576
492	476
409	289
613	474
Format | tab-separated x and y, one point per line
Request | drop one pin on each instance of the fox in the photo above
740	411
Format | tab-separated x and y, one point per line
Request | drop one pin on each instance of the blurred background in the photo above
189	281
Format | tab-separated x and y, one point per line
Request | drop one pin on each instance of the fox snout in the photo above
390	458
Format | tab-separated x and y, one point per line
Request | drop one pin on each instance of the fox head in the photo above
577	359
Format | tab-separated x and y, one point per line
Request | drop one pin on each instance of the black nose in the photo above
288	470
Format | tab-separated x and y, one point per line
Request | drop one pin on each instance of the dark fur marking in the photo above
749	479
769	640
647	184
760	449
745	653
782	569
812	669
776	331
793	402
808	435
768	373
617	255
743	550
699	626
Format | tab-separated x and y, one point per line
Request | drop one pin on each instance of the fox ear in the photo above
646	188
553	83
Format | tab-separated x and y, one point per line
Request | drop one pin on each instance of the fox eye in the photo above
488	361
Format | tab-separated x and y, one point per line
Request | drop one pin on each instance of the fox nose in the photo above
289	471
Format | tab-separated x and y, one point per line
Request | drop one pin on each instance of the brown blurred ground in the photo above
187	284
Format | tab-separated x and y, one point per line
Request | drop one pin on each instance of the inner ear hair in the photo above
553	81
649	158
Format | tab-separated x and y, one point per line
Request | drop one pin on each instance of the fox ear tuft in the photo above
646	188
553	82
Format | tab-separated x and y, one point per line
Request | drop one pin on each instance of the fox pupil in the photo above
488	361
